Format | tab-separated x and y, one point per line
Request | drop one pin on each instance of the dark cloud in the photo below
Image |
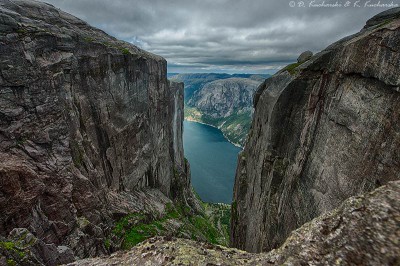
224	35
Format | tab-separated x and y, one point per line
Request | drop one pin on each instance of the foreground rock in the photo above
364	230
90	131
323	130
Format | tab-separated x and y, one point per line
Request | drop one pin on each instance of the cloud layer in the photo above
235	36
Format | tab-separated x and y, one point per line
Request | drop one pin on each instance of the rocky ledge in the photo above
364	230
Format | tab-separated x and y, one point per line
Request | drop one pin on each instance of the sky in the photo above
227	36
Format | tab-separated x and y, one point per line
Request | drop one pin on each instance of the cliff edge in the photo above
364	230
323	130
90	131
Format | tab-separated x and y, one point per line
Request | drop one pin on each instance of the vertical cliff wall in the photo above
322	131
90	128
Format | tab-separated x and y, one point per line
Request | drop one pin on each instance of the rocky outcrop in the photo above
90	129
364	230
226	104
323	130
305	56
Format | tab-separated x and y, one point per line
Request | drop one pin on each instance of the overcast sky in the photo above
233	36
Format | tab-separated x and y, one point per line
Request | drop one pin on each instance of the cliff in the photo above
90	131
364	230
323	130
226	104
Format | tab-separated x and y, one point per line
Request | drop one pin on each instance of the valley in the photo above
100	165
223	101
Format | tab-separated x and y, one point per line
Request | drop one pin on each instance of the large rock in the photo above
90	129
363	231
322	131
304	56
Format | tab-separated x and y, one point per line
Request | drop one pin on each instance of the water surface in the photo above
212	160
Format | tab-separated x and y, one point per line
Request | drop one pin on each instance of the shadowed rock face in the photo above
364	230
322	132
90	129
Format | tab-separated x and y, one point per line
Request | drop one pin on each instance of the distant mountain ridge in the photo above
221	100
195	81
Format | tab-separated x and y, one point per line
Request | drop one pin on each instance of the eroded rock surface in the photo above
322	131
364	230
90	129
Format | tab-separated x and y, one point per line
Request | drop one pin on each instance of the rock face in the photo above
304	56
90	129
223	98
364	230
322	131
226	104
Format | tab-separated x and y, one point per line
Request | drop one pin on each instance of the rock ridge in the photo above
323	130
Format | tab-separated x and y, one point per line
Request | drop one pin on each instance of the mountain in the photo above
91	154
221	100
323	130
226	104
195	81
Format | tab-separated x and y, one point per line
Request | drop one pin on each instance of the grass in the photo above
107	243
88	39
13	247
206	228
11	262
135	228
22	31
385	23
125	51
77	153
8	245
292	68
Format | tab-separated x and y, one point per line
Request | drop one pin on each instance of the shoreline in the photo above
200	122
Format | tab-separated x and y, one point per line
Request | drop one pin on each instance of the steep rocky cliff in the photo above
364	230
323	130
226	104
90	131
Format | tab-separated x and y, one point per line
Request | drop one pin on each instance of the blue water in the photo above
212	160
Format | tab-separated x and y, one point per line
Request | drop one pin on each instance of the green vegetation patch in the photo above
88	39
77	153
220	216
385	23
138	227
235	127
205	227
292	68
11	262
125	51
177	220
22	31
13	247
